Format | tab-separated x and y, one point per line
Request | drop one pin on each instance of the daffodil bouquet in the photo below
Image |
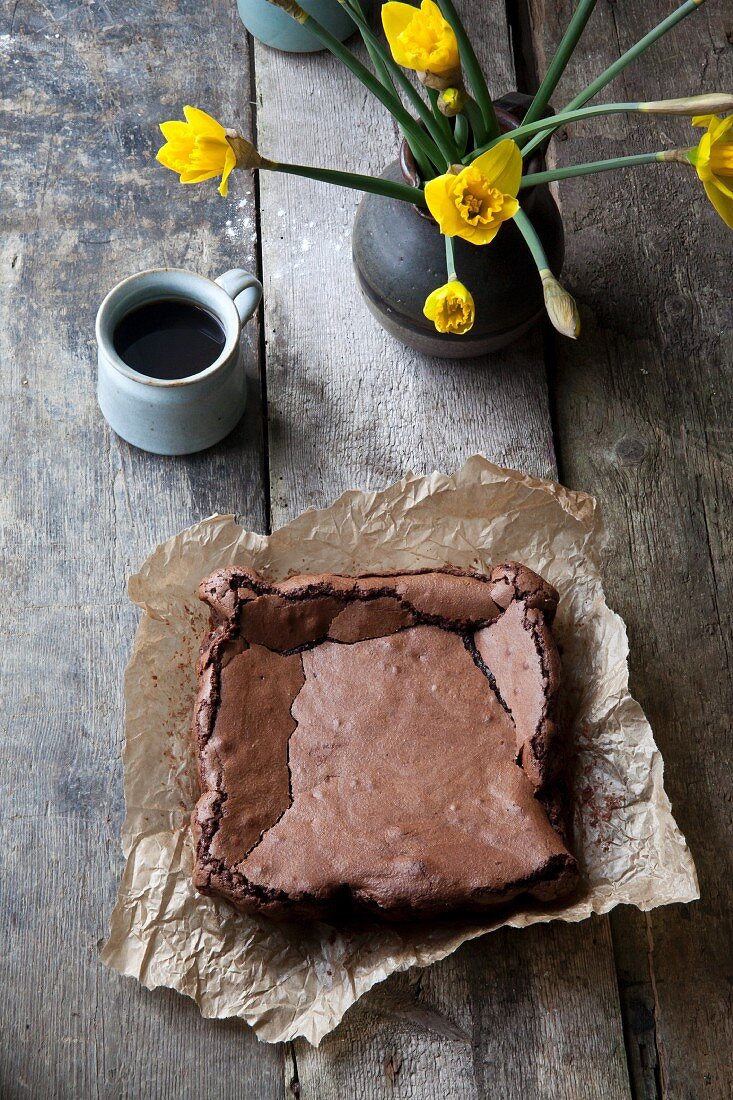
471	175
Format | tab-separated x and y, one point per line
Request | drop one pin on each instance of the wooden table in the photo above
637	412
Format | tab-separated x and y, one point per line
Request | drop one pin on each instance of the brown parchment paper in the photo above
289	981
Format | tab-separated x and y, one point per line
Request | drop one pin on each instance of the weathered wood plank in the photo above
644	421
83	206
518	1014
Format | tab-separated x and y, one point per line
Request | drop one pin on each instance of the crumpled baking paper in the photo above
288	980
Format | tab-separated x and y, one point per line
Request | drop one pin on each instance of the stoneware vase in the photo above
276	28
399	258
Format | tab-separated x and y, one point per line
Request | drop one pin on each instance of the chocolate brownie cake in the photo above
381	743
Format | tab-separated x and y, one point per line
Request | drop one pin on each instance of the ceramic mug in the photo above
280	31
183	415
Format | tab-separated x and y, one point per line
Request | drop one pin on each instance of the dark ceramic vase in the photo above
399	258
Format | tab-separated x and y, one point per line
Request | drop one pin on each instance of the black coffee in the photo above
169	338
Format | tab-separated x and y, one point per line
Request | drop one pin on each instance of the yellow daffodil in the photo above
197	149
421	39
451	308
713	161
475	201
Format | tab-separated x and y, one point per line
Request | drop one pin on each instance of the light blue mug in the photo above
276	28
182	415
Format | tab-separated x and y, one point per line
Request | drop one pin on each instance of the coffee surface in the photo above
169	339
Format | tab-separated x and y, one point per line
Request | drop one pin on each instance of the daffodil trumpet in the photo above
451	308
621	63
709	103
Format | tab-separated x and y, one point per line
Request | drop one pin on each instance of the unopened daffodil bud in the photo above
200	148
474	201
560	305
708	104
451	308
451	102
421	39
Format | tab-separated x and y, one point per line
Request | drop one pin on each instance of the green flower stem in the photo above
490	124
373	184
653	107
528	231
563	119
591	168
415	136
562	55
376	55
425	167
618	66
442	138
460	133
450	259
473	113
442	121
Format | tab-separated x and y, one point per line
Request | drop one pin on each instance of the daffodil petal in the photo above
198	175
395	18
510	208
437	196
167	157
487	233
451	308
703	120
721	127
176	130
722	202
431	9
203	123
716	181
702	157
502	166
229	164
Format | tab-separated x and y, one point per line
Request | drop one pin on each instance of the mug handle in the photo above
244	289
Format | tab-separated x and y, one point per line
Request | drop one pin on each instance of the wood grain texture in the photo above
517	1014
644	420
84	205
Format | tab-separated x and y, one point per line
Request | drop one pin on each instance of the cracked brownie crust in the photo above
383	743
